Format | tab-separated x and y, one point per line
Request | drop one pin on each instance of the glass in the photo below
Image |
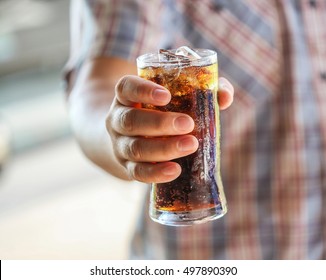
191	76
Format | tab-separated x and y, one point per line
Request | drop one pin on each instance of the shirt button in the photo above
323	75
313	3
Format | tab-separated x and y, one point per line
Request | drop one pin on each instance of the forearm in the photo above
88	105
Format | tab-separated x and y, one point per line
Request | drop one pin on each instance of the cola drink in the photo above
197	195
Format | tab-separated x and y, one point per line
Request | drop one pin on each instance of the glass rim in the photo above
208	57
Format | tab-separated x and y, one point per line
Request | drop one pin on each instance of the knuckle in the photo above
136	171
160	121
141	90
121	85
169	151
127	120
165	123
128	85
134	150
108	122
145	173
118	150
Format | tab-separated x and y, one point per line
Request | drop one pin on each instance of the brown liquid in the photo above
193	90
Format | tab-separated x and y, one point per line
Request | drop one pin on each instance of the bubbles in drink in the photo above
194	92
197	195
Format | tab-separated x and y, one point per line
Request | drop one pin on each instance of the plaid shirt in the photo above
273	135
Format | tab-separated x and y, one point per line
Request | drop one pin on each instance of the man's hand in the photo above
138	135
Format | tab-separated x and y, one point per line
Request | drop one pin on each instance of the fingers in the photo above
225	93
140	155
133	121
154	172
142	137
139	149
132	89
148	159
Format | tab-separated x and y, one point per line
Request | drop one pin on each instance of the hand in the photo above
137	133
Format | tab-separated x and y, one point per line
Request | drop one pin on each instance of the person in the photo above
273	148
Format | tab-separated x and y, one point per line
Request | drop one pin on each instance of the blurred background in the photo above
54	204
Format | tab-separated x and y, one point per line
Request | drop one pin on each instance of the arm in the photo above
88	105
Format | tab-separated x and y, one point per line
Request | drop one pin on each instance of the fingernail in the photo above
183	123
223	86
186	144
161	96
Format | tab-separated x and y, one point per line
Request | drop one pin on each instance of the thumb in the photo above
225	93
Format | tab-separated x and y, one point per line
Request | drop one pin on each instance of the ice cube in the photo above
165	55
187	52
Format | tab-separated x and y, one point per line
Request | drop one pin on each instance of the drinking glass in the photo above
191	76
